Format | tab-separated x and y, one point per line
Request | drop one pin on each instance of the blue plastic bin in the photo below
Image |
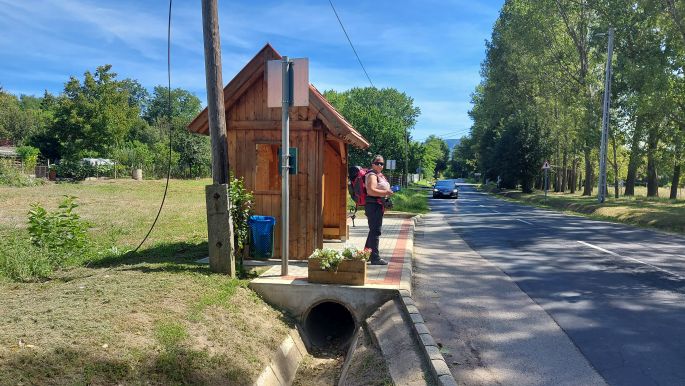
262	236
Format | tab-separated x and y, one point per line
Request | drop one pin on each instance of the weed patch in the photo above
412	201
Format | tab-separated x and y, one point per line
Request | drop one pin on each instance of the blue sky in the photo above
429	49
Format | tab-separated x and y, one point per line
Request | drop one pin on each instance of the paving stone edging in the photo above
427	345
284	362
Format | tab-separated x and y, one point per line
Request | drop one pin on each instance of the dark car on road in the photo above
445	188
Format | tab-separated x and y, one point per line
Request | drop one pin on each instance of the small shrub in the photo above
242	201
61	233
76	169
29	156
11	176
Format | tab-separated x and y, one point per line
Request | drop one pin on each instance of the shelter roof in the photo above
253	70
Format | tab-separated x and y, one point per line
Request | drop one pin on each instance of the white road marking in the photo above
630	258
524	221
495	211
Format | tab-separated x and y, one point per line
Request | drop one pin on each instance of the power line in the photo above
168	175
351	45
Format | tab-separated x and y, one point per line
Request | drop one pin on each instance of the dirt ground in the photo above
366	367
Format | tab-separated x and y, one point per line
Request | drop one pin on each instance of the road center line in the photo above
495	211
630	258
524	221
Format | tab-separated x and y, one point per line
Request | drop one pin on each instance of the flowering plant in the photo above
353	253
329	258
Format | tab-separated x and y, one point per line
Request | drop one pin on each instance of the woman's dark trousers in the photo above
374	213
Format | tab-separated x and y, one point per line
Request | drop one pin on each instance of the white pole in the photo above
285	167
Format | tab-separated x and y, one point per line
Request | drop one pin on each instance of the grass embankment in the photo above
154	317
659	213
409	200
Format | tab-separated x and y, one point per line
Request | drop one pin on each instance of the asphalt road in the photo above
616	291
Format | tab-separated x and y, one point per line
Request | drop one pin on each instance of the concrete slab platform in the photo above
296	294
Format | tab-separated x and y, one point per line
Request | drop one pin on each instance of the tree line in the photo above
541	90
101	116
386	118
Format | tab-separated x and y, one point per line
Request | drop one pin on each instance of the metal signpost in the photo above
546	167
293	87
601	195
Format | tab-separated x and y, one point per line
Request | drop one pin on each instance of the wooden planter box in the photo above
352	272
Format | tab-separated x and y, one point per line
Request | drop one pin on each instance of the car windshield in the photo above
444	184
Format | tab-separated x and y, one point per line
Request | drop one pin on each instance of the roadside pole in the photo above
219	224
601	195
546	167
285	167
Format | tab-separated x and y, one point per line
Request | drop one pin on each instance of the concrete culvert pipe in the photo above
329	325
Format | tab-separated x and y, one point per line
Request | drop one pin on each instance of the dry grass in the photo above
155	317
121	210
659	213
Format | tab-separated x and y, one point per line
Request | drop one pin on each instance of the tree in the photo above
384	117
184	104
436	155
93	116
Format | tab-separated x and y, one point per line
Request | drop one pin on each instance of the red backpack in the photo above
357	184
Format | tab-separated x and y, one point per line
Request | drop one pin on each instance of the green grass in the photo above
109	317
411	201
406	200
658	213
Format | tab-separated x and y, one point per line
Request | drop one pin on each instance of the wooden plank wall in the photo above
251	122
333	194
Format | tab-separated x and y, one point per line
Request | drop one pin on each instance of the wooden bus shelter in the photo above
318	192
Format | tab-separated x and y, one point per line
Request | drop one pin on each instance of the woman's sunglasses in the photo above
378	163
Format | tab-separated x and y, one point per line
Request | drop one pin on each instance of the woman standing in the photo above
377	189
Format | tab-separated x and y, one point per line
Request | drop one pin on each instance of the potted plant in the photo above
332	267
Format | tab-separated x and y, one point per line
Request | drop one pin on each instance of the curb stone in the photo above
284	363
436	362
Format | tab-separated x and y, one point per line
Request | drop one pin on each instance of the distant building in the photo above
97	161
8	152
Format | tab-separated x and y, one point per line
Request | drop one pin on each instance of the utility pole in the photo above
285	166
219	224
601	195
406	159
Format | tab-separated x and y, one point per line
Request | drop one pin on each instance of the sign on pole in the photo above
546	168
299	79
391	164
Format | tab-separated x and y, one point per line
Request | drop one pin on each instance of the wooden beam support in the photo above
269	125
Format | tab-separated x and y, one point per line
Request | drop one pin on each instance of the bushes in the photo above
76	169
62	229
241	209
56	239
12	176
413	201
29	156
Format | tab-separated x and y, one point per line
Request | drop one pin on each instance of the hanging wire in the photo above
351	45
168	175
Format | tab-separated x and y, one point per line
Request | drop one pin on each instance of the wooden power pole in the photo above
219	224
